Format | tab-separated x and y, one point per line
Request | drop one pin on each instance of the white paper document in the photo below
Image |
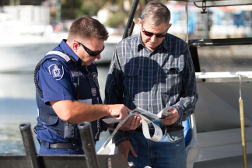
147	118
151	116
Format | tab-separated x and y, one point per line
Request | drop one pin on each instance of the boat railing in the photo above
88	160
195	43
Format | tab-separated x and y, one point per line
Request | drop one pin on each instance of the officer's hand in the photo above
172	118
132	123
119	111
125	147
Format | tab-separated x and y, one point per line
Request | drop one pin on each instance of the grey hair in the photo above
158	12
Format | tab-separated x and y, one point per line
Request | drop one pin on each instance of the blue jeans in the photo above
158	154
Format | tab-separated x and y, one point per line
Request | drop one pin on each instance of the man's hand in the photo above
172	118
125	147
132	123
119	111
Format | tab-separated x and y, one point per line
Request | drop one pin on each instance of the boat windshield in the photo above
216	3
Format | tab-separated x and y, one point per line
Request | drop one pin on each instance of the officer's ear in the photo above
75	45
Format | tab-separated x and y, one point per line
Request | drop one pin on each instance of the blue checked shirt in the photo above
153	80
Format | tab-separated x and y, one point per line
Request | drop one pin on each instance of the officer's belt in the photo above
63	145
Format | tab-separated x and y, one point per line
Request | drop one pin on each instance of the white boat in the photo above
27	36
218	119
23	56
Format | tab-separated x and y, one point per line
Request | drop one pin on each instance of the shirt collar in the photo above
164	44
140	44
67	50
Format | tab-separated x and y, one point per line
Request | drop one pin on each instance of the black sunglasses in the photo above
150	34
90	52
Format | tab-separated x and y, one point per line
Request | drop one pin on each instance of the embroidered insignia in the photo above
57	71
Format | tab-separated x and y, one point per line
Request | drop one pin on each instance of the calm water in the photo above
18	105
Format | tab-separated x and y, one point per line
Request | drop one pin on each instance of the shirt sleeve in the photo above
189	96
55	82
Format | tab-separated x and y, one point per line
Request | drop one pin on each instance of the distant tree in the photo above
89	7
75	8
29	2
4	2
119	19
69	8
21	2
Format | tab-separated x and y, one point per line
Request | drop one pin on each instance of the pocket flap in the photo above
175	65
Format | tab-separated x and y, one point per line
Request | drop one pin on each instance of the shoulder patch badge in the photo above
57	71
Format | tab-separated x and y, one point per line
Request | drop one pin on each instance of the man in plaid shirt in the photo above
153	70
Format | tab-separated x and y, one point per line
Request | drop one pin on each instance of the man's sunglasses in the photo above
90	52
150	34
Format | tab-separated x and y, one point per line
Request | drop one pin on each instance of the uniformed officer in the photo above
68	90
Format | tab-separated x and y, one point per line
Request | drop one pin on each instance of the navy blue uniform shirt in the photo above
58	81
54	79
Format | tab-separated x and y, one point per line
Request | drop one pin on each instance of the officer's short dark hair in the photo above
158	12
86	27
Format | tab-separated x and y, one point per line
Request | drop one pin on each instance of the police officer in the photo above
68	90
